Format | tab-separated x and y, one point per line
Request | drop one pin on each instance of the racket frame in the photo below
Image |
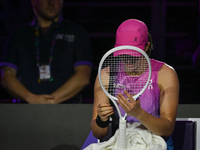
122	119
135	97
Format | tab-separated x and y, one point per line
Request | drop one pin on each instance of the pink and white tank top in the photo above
149	100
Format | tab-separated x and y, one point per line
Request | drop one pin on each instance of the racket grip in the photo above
122	135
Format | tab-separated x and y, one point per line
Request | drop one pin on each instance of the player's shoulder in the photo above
168	68
161	66
167	73
167	76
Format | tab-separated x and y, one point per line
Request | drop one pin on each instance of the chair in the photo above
184	135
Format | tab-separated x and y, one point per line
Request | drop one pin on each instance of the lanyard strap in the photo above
38	50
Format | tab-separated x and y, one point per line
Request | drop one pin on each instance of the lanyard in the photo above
38	50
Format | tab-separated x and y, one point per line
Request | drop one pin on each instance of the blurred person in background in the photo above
49	60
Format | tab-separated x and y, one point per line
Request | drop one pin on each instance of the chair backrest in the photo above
184	135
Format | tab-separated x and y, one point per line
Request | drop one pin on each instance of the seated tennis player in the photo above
156	108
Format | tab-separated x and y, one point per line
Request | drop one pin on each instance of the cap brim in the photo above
127	52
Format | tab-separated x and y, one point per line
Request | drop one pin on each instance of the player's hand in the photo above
41	99
104	111
132	107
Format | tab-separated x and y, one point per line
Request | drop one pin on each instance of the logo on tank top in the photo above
119	86
150	86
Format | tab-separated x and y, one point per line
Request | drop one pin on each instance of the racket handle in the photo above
122	135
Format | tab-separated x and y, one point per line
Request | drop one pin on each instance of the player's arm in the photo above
74	85
169	96
102	108
15	88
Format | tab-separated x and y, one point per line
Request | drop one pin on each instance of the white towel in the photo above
136	139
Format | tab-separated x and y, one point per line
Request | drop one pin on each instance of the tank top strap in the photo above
156	65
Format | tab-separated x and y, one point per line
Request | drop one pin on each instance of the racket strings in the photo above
124	72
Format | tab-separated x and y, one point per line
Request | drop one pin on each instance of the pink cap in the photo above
131	32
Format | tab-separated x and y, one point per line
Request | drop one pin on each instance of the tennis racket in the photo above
124	68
